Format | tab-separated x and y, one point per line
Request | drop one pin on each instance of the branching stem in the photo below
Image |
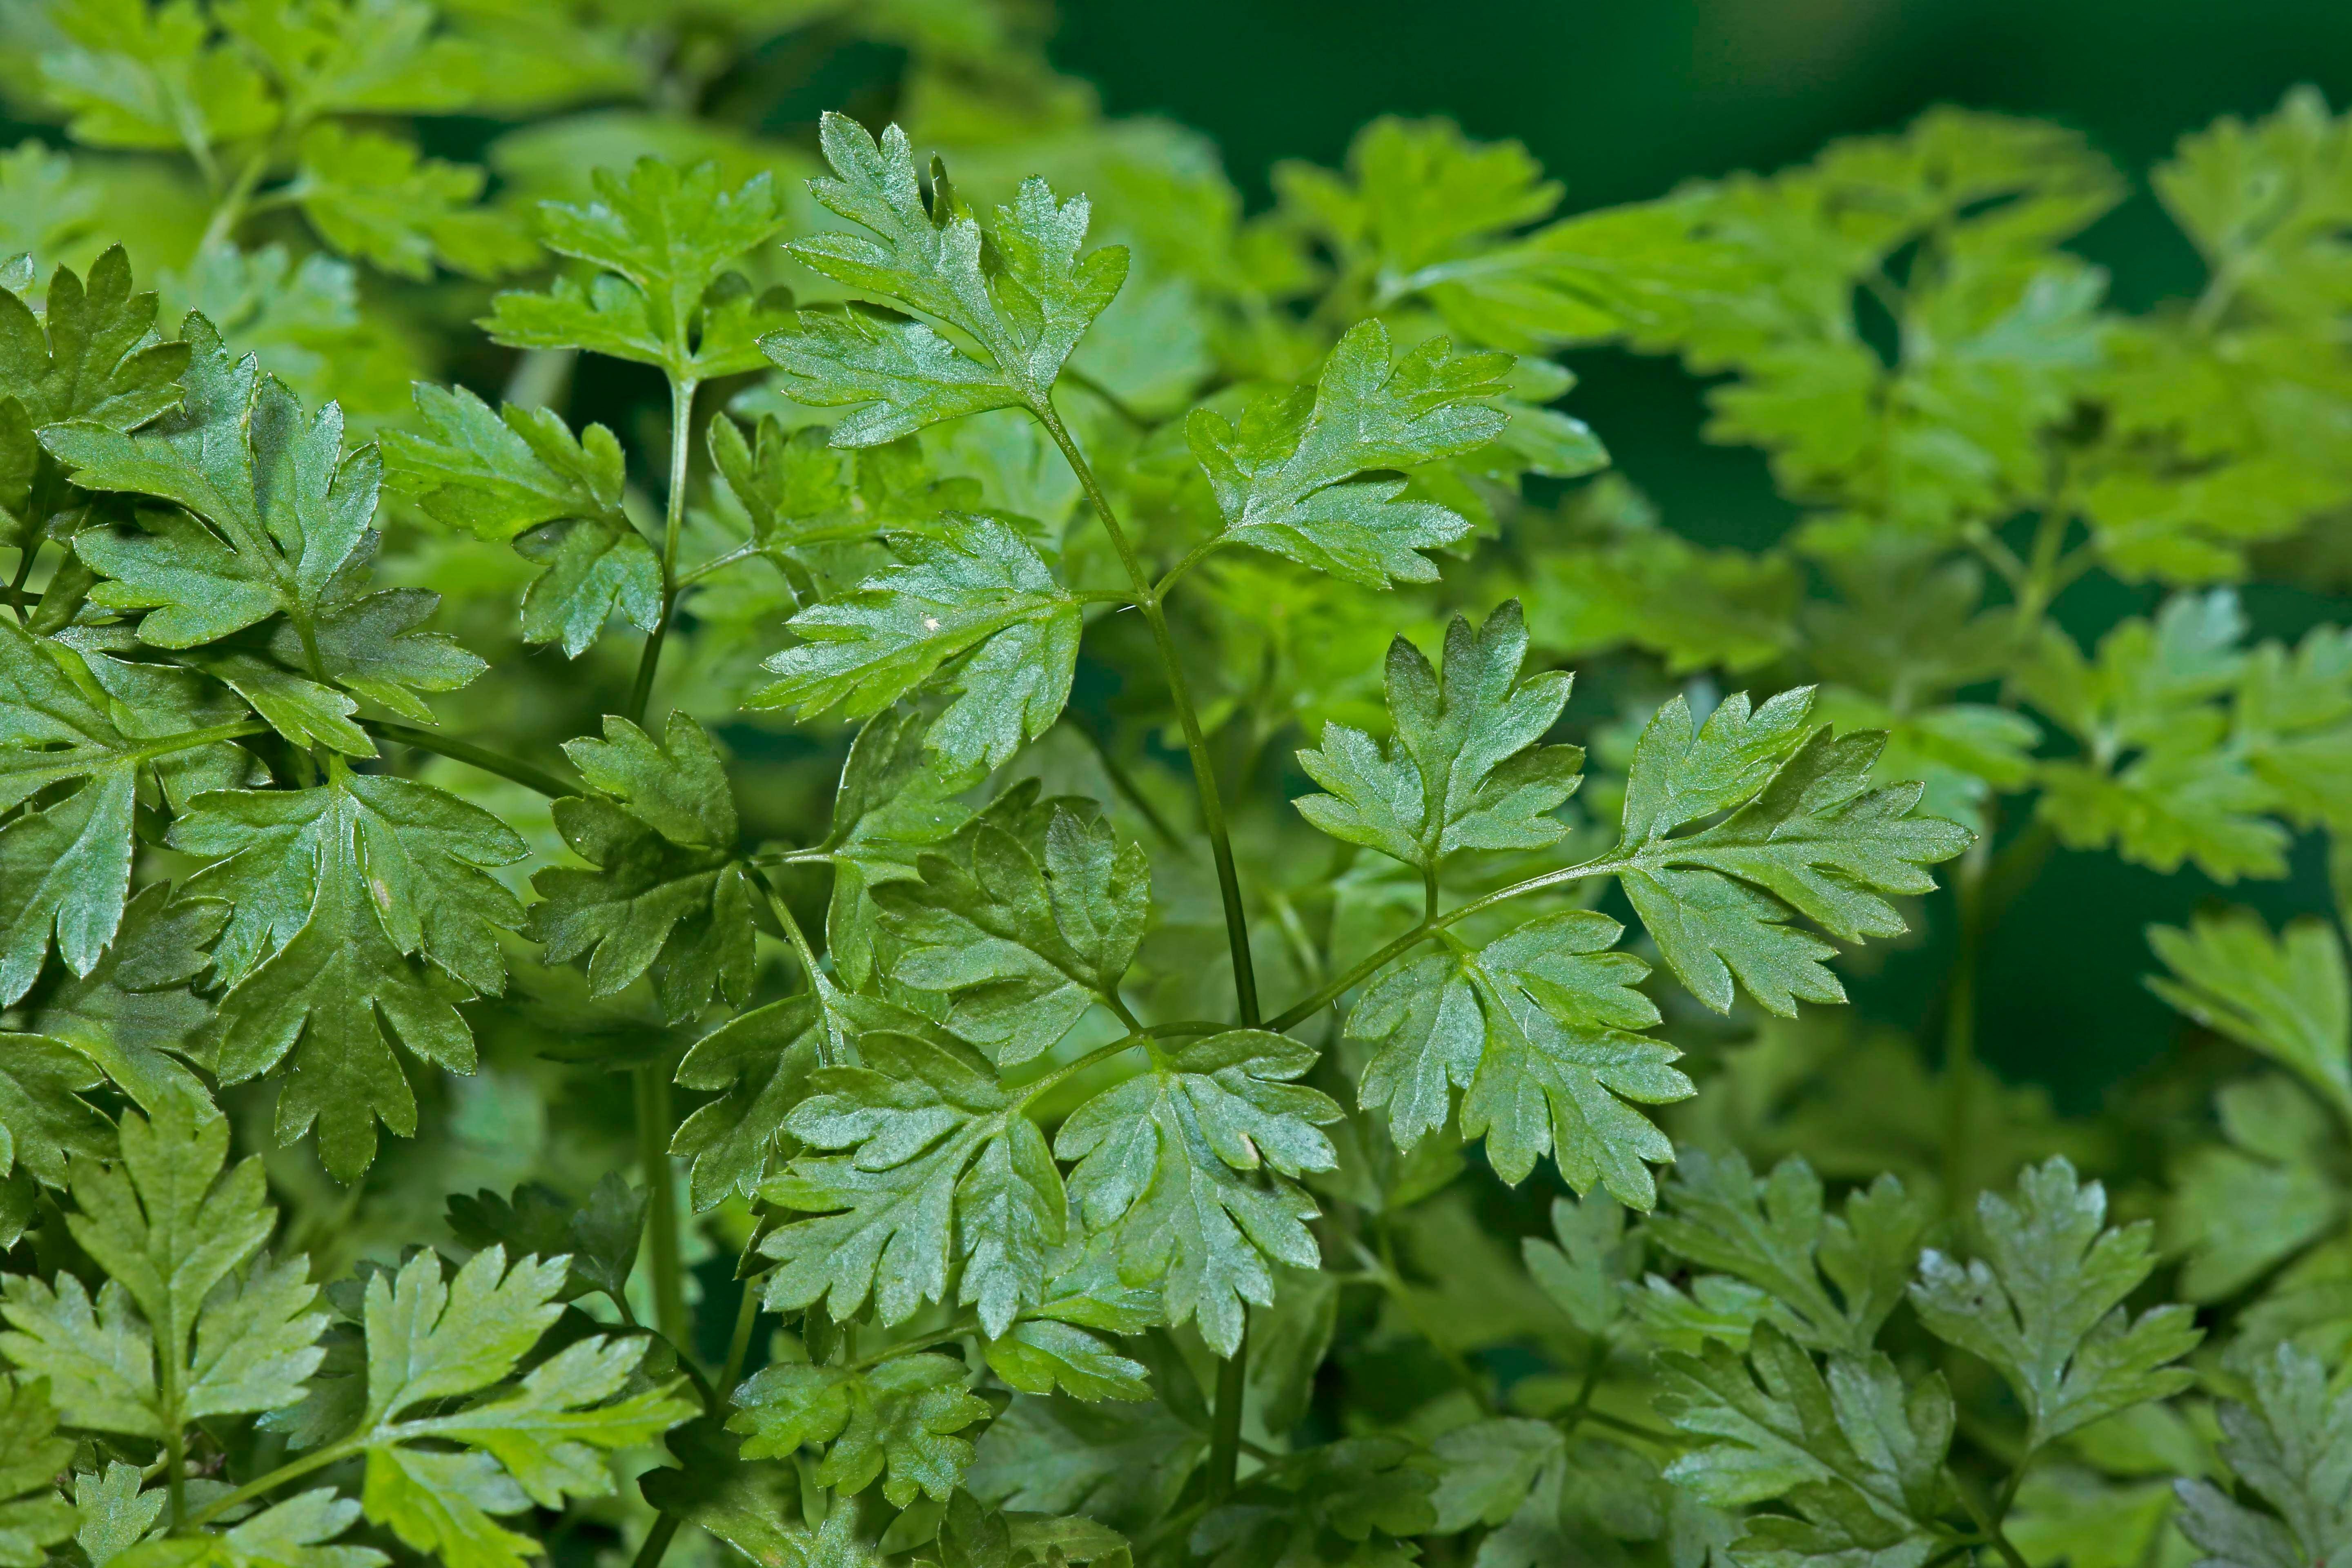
681	434
512	769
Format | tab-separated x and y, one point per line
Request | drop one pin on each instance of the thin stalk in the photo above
1430	926
1988	1526
739	1343
1636	1429
1225	1427
1204	776
1960	1025
230	210
681	431
657	1544
661	1203
514	770
254	1491
27	555
175	1450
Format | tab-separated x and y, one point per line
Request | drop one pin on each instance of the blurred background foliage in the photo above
1622	102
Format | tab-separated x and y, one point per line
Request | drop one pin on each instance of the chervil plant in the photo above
914	869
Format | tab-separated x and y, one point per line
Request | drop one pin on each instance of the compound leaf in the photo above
217	1330
946	1168
1028	916
1300	476
2292	1445
1541	1030
361	903
1022	293
2046	1306
1467	770
976	608
1190	1160
896	1423
32	1515
1807	832
2285	996
668	894
521	474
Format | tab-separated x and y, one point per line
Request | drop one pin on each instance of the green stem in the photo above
681	431
1430	926
661	1203
189	740
25	555
802	948
230	210
255	1490
1192	558
175	1452
511	769
1988	1526
657	1544
1204	777
739	1343
1636	1429
1225	1427
1960	1026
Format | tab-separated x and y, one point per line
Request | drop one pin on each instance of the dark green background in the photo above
1621	101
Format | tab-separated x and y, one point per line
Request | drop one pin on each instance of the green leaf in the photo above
1297	477
43	1118
600	1236
90	355
2285	996
668	894
111	1513
1055	1343
282	508
134	77
1620	578
219	1327
2160	782
133	1014
1772	1233
1026	918
1361	1489
1021	294
2293	1446
1123	1464
1190	1160
747	1504
32	1515
901	1417
1541	1030
2046	1306
1467	770
297	1533
1586	1273
373	196
2237	1210
895	802
1555	1499
1425	205
1858	1455
362	904
65	864
946	1167
519	474
759	1062
661	237
538	1440
975	609
1806	834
